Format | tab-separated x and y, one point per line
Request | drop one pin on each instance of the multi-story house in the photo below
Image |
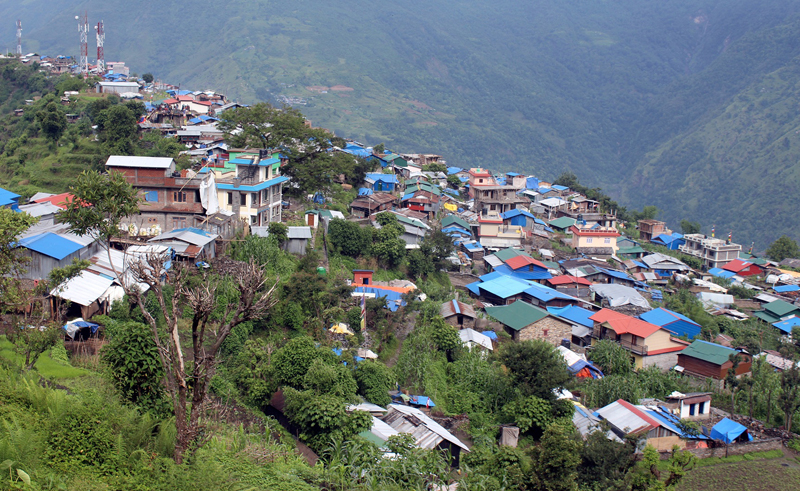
255	190
169	199
715	253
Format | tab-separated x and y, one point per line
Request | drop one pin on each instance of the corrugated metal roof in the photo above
472	336
710	352
426	432
517	315
144	162
84	289
626	418
185	236
50	244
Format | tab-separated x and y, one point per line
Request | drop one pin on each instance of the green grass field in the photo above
46	366
763	471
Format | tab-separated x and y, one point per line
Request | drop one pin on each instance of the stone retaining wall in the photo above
736	449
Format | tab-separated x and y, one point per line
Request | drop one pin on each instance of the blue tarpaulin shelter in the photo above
421	401
729	431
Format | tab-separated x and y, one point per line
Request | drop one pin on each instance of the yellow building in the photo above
649	344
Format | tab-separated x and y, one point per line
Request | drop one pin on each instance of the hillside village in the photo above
498	262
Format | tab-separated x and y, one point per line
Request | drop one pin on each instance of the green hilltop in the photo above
608	90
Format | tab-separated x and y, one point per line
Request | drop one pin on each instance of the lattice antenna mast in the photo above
19	39
101	38
83	31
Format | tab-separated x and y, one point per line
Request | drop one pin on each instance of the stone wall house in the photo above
458	314
524	321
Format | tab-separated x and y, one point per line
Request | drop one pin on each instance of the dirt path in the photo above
401	334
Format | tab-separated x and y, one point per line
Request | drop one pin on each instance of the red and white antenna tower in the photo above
101	38
83	30
19	38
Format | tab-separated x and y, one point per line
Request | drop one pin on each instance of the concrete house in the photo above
715	253
254	191
649	344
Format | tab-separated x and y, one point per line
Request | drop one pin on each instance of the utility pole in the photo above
101	38
19	39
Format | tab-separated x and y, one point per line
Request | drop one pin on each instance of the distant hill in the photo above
631	95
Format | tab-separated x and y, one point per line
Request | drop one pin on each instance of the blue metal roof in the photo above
512	174
257	187
532	183
456	230
674	322
787	324
194	231
578	315
536	274
407	197
545	293
451	192
668	421
456	308
616	274
454	170
504	286
51	244
472	246
8	198
473	287
517	212
559	188
364	191
388	178
786	288
721	273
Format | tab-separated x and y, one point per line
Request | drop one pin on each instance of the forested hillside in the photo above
605	89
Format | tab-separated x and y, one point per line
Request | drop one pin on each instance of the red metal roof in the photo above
521	261
59	200
185	98
604	314
170	101
568	279
738	265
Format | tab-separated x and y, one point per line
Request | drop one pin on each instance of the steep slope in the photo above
733	161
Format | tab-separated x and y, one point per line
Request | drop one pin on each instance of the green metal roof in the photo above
780	308
630	250
710	352
563	222
766	316
372	437
552	265
450	219
517	315
507	254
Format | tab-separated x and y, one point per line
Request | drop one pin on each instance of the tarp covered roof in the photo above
728	431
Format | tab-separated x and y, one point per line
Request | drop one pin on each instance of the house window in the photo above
178	222
151	196
588	240
230	198
254	220
692	409
480	181
243	199
254	199
179	197
545	332
701	408
608	240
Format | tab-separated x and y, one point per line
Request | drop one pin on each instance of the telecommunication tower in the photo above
83	31
101	38
19	39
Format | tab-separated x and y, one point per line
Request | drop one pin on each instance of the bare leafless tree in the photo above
211	324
